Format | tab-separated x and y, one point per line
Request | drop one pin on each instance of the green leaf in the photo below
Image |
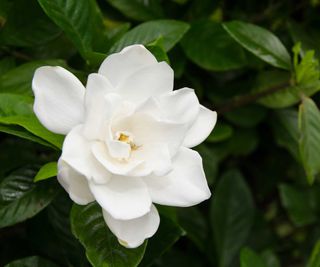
242	142
27	25
232	213
139	9
210	47
81	21
171	31
248	258
102	247
260	42
168	233
46	171
270	258
314	260
10	84
282	94
299	203
6	64
210	162
222	131
34	261
21	198
156	48
286	132
309	125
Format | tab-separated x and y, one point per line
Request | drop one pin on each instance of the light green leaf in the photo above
210	47
27	25
139	9
232	213
9	83
282	94
248	258
171	31
102	247
81	21
299	203
34	261
309	125
46	171
260	42
314	260
21	198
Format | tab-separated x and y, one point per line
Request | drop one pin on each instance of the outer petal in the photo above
117	67
150	81
59	98
124	198
201	128
132	233
74	183
184	186
76	151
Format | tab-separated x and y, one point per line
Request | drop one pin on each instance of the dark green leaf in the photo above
270	259
221	132
6	64
102	247
21	199
81	21
260	42
33	261
249	258
27	25
232	213
309	125
46	171
171	31
299	203
139	9
210	47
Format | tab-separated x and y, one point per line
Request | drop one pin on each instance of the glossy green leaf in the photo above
81	21
314	260
139	9
232	213
46	171
299	203
21	198
261	42
210	47
18	80
221	132
171	31
309	125
27	25
157	49
102	247
285	129
248	258
168	233
278	92
34	261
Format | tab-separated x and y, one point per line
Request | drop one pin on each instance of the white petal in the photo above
180	105
132	233
150	81
76	151
74	183
117	67
125	198
118	149
184	186
59	99
201	128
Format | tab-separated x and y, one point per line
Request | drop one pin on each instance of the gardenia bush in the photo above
159	133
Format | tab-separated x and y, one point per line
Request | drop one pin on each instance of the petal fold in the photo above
59	99
124	198
184	186
132	233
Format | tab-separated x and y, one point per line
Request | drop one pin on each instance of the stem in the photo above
243	100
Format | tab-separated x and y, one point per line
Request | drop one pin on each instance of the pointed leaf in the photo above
46	171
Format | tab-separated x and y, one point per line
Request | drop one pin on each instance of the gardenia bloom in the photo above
128	139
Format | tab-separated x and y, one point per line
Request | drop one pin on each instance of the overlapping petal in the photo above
132	233
59	99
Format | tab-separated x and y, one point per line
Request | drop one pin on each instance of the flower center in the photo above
127	138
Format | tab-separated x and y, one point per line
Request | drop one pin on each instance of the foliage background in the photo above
255	62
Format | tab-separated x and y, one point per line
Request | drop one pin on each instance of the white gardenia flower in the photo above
128	139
